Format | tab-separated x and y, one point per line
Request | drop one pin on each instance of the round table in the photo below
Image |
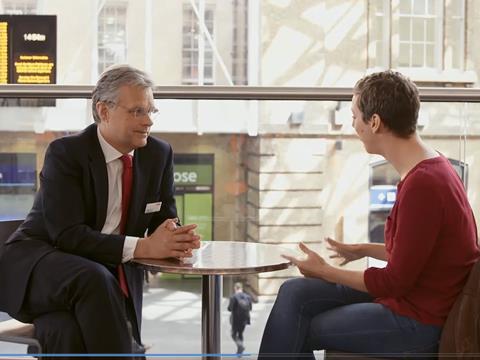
212	260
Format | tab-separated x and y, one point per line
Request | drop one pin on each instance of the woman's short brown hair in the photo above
393	97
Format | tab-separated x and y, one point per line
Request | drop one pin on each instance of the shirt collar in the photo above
108	150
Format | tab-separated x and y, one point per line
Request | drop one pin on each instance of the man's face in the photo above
364	130
125	124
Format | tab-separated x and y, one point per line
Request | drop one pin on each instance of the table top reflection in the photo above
224	258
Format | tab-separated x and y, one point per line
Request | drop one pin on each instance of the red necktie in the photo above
126	192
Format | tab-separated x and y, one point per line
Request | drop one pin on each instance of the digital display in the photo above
28	49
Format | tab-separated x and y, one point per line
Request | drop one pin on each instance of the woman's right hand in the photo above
345	252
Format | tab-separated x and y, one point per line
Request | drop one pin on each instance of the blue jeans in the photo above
312	314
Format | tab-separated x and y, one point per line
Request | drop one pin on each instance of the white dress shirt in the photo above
114	207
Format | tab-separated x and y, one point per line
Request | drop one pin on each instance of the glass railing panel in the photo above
235	141
275	172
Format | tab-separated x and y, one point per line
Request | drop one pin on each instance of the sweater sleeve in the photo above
417	226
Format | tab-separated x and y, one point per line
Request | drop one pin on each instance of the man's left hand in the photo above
171	224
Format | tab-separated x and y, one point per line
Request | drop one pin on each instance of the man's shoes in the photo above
240	349
137	348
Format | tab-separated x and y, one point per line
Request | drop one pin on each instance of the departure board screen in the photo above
28	49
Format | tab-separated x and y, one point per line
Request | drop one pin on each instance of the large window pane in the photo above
434	5
418	30
405	6
430	35
430	55
405	30
418	56
419	7
404	55
303	158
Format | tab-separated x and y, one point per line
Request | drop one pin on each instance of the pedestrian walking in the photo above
240	306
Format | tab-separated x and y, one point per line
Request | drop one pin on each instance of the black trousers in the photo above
77	306
237	335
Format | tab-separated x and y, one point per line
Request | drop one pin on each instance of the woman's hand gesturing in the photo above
345	252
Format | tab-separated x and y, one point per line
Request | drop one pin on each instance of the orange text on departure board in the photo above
34	69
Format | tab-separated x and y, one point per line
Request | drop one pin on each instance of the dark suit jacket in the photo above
70	208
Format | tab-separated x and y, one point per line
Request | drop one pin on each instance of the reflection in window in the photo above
19	7
191	32
112	39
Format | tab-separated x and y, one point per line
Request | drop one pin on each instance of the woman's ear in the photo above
375	123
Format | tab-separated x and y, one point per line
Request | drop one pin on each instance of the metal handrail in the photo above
235	93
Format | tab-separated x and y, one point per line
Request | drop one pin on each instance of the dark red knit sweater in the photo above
431	241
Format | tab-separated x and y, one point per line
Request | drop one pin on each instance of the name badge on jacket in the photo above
153	207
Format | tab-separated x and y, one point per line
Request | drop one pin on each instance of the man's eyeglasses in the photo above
138	112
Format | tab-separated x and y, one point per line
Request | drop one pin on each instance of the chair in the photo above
12	330
461	332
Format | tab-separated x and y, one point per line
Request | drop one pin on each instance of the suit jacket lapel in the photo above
141	175
98	172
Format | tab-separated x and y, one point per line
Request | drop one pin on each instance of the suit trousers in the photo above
77	306
312	314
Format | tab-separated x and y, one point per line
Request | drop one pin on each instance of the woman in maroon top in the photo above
430	247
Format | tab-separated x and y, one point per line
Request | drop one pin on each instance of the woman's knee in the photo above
292	286
301	288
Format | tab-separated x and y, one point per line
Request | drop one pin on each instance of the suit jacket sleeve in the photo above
64	181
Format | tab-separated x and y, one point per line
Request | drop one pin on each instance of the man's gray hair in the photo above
112	79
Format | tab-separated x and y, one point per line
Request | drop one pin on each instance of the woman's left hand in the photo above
311	266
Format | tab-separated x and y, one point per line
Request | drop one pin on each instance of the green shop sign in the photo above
193	175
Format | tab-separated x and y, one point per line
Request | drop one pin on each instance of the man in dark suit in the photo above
66	267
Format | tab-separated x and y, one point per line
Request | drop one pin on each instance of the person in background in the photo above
240	305
430	247
106	197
